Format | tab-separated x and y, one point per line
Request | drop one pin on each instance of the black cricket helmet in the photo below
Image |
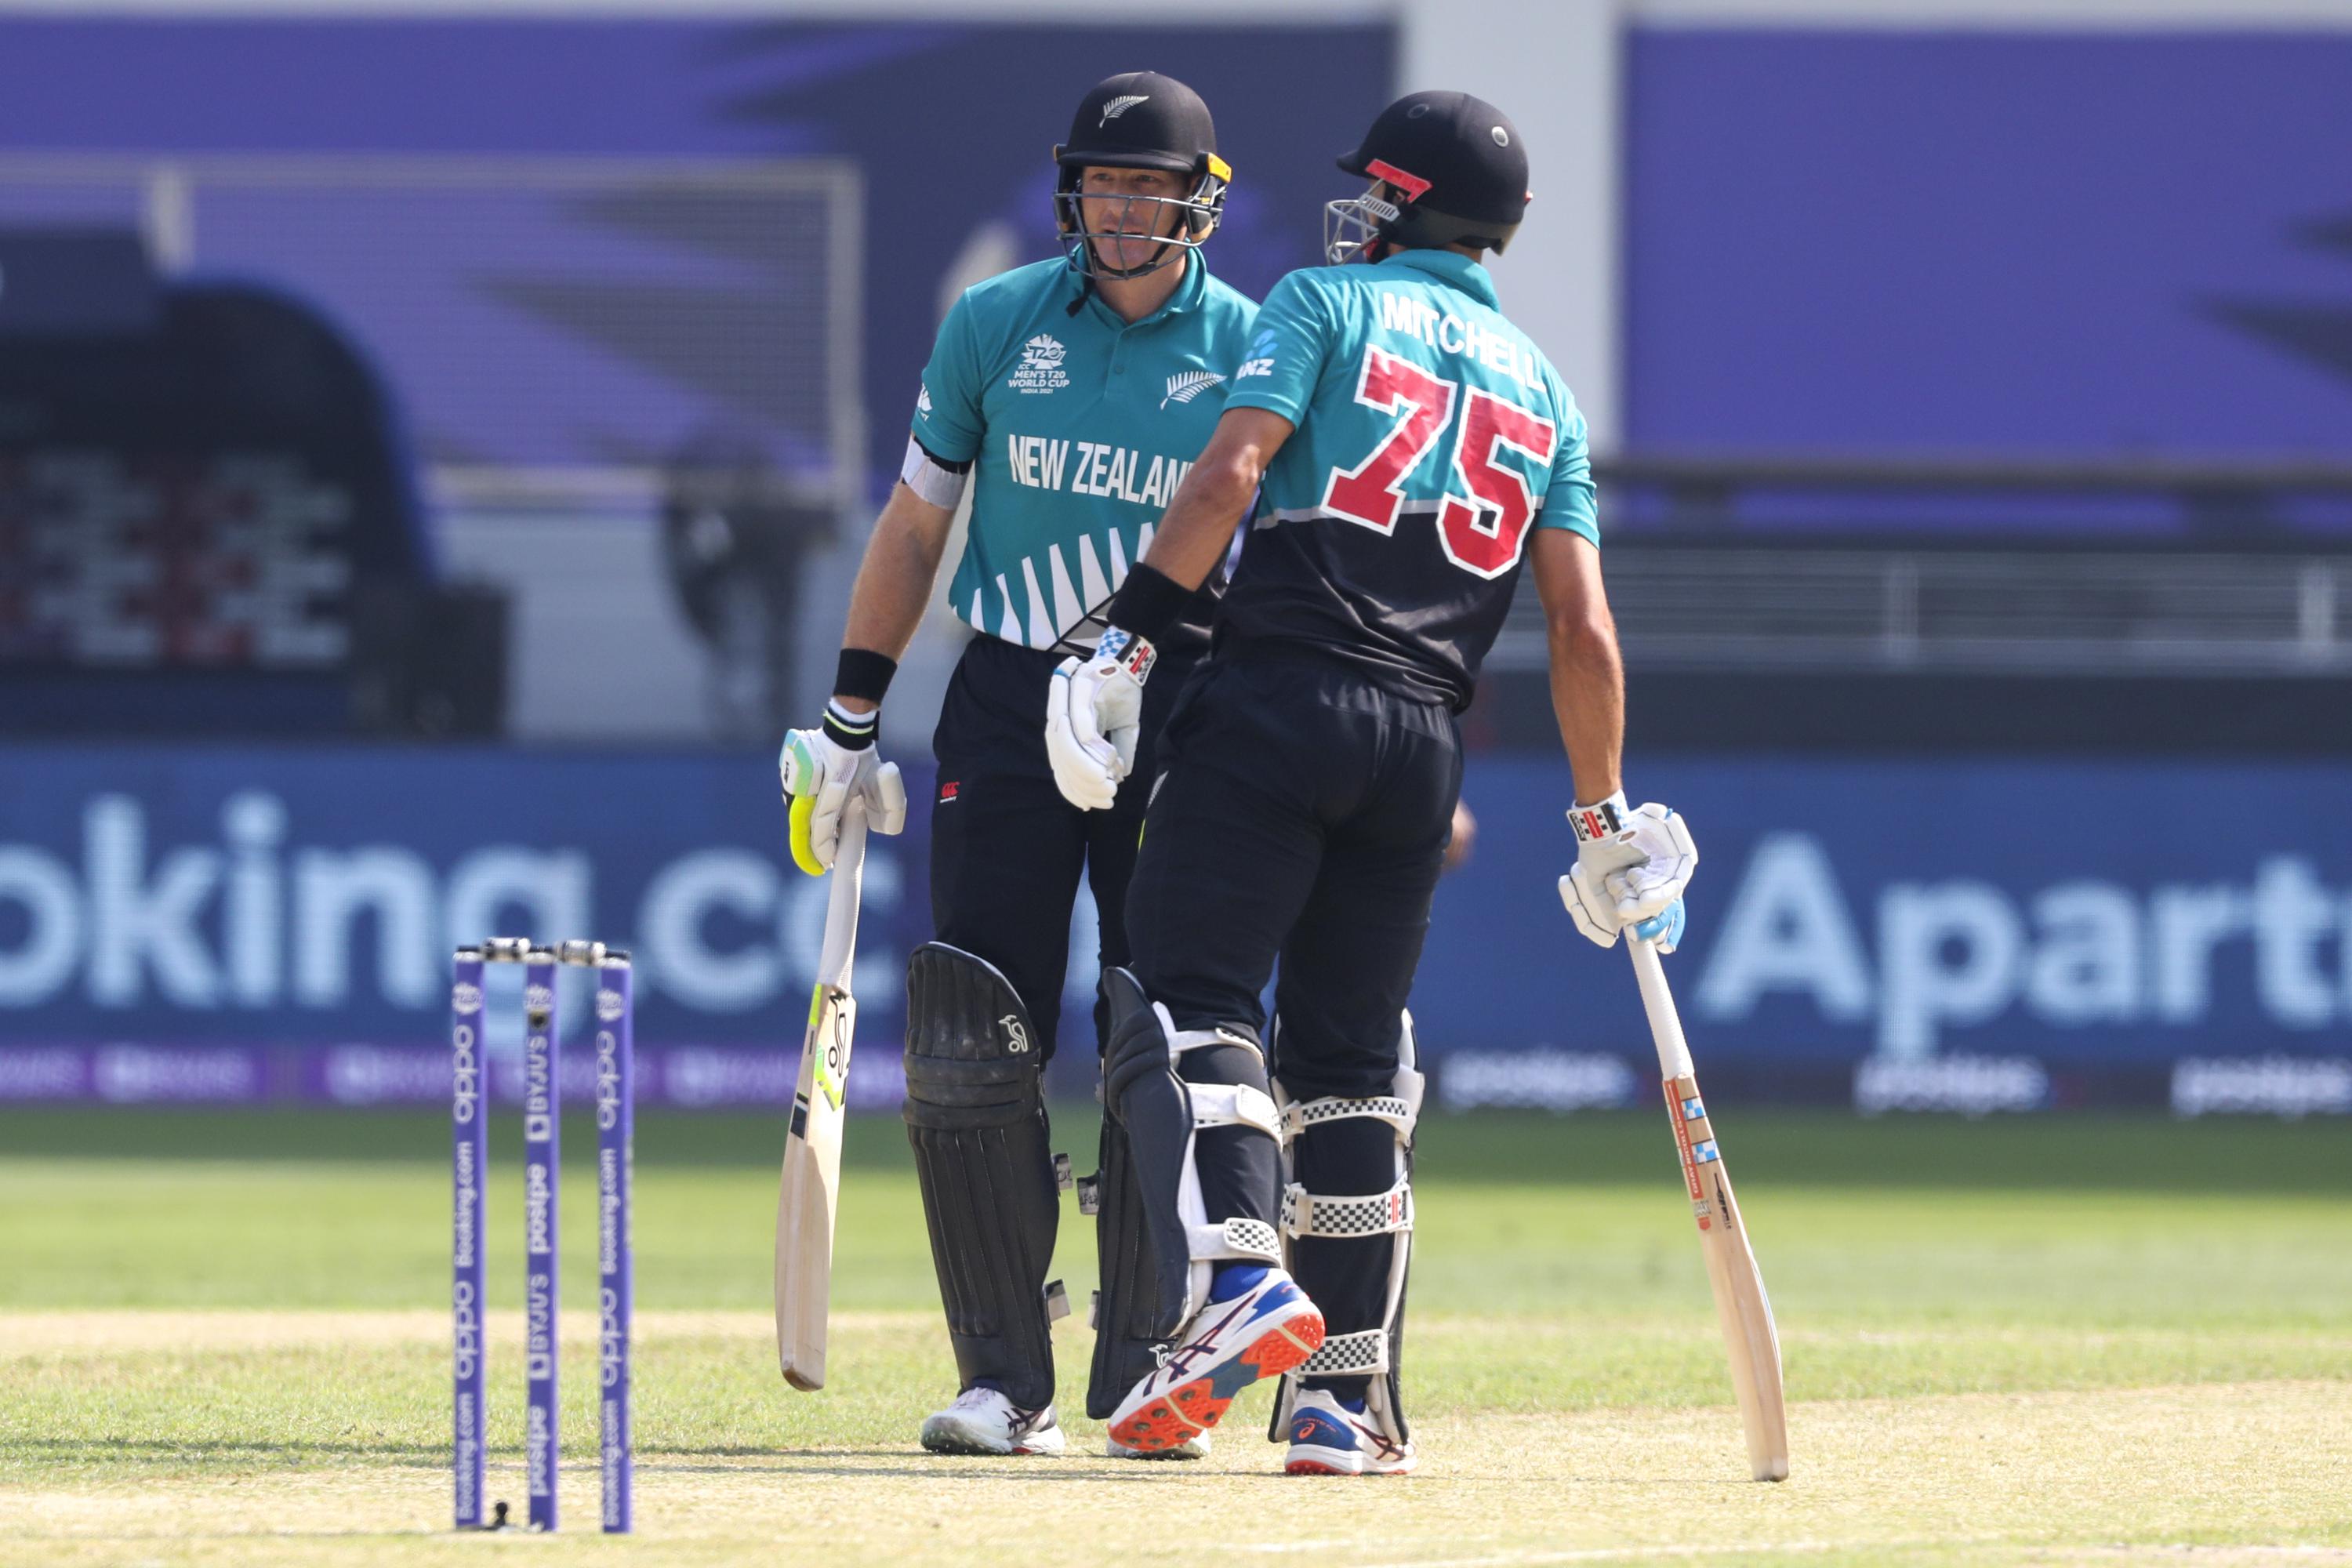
1141	120
1451	169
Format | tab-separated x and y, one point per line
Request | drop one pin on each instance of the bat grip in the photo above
1658	1002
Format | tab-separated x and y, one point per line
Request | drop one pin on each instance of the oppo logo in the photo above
466	1073
467	1317
608	1079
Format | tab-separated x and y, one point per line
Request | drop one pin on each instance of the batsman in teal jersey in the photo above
1068	398
1410	451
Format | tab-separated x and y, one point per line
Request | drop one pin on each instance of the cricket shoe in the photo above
1257	1324
1332	1437
1196	1446
983	1421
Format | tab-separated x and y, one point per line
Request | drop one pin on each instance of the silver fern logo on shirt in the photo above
1187	384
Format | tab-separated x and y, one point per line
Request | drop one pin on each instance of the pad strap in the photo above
1233	1105
1301	1114
1375	1214
1250	1239
1363	1352
1181	1041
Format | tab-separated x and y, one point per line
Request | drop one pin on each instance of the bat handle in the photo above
840	949
1658	1002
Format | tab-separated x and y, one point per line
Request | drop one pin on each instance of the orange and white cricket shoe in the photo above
1264	1330
1327	1437
1196	1447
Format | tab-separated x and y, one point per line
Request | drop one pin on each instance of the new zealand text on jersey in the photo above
1093	468
1401	313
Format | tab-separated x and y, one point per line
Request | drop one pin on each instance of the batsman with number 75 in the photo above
1404	450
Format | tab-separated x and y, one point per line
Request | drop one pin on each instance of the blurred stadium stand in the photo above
1873	603
207	521
595	346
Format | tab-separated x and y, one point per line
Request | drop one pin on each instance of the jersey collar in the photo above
1188	295
1449	268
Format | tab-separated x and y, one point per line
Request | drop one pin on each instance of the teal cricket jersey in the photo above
1077	424
1432	436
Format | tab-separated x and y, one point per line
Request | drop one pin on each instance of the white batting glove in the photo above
821	769
1094	712
1631	869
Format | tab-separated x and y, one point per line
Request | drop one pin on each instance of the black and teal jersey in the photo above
1432	436
1077	425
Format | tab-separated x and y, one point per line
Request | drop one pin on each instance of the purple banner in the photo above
2026	241
523	317
734	1078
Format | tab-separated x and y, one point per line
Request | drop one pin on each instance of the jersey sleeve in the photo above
1288	345
948	421
1569	497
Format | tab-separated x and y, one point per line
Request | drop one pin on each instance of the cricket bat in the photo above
812	1176
1739	1299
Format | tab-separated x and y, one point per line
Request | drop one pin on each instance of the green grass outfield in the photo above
223	1338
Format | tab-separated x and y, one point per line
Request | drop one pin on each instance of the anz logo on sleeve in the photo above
1260	357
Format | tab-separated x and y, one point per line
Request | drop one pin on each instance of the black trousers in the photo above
1301	813
1007	850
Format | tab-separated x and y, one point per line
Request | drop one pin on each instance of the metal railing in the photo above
2229	589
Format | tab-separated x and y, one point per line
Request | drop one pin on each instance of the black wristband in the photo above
1148	602
864	673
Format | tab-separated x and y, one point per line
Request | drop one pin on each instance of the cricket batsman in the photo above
1068	396
1409	449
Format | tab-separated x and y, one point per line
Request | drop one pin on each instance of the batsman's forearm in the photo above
1588	696
894	581
1199	527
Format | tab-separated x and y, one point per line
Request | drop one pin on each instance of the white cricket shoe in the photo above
1264	1331
1327	1438
983	1421
1194	1447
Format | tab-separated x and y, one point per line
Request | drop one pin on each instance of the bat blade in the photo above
808	1195
809	1200
1749	1335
